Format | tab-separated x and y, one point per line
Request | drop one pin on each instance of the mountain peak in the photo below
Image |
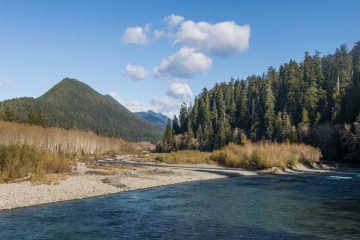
153	117
74	104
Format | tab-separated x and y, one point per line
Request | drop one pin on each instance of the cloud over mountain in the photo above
222	38
183	64
196	43
136	72
179	90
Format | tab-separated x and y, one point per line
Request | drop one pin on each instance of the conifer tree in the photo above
293	91
355	54
343	71
9	114
278	128
176	125
304	116
282	105
287	127
183	117
194	117
269	117
168	138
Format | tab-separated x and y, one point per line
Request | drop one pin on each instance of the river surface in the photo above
307	206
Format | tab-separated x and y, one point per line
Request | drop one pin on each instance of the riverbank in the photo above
107	176
89	181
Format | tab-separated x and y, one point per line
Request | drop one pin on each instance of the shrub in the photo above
22	160
265	155
186	156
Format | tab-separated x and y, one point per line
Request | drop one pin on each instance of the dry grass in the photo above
186	156
29	152
69	141
23	161
101	173
266	155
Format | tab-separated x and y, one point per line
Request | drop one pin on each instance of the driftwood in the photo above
28	177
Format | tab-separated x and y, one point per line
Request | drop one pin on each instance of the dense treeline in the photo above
288	104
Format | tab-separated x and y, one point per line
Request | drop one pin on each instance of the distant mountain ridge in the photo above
74	104
151	116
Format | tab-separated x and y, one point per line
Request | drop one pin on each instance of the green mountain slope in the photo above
73	104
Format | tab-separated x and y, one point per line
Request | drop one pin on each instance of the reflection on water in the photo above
319	206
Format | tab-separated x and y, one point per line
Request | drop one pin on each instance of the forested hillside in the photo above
308	101
73	104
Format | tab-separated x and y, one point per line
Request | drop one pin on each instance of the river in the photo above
304	206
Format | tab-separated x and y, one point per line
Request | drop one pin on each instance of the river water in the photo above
306	206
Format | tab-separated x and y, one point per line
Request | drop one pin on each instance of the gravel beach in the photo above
119	174
88	181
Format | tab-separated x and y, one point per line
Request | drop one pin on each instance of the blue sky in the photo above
147	61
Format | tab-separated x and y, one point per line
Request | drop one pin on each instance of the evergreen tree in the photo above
220	138
240	96
282	105
9	114
176	125
351	103
183	117
195	115
269	117
355	54
293	91
189	138
278	128
304	116
343	72
168	138
312	75
287	127
280	86
254	106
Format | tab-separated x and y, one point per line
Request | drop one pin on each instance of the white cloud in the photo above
136	35
159	34
183	64
179	90
166	105
222	38
136	72
174	20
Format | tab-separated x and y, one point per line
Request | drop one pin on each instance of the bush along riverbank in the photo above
250	156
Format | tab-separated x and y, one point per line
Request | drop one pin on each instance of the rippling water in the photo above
319	206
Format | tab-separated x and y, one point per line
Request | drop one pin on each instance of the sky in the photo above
153	55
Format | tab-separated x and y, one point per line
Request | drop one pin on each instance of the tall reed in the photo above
26	161
185	156
266	155
68	141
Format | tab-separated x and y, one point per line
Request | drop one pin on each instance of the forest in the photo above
315	101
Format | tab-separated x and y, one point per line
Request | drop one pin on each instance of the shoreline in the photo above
105	195
88	182
110	176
